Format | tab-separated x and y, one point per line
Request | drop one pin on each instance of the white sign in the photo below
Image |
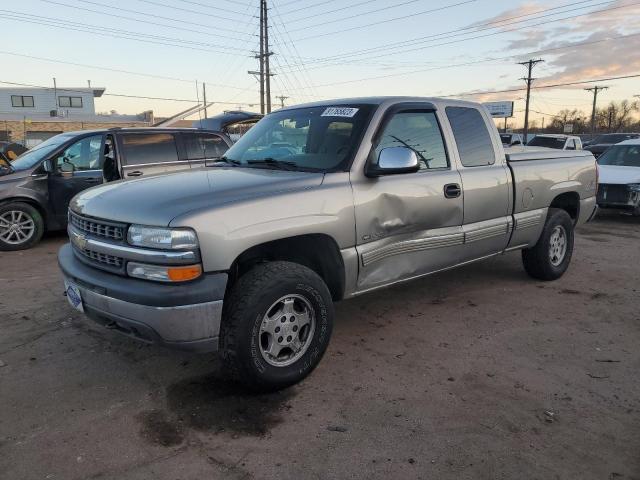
500	109
568	128
339	112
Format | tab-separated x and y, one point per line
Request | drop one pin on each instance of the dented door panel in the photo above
405	226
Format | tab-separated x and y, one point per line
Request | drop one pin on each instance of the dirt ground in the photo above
476	373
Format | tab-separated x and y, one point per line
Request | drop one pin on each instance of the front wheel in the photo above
550	257
276	325
21	226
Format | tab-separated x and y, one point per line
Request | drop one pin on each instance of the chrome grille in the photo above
97	228
104	259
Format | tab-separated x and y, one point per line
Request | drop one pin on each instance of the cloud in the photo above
574	62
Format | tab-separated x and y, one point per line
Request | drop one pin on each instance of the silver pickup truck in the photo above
316	203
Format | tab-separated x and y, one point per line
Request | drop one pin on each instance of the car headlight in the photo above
634	187
164	238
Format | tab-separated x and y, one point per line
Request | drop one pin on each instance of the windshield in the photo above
30	158
612	138
320	138
621	156
549	142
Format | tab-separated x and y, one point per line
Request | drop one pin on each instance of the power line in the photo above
116	70
475	62
148	22
115	94
306	7
455	32
358	15
415	14
114	33
144	14
159	4
216	7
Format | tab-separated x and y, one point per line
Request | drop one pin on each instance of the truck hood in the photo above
158	200
618	175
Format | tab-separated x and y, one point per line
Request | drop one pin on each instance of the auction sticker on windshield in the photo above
339	112
73	295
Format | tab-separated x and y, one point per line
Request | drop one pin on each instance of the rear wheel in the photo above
276	325
21	226
550	257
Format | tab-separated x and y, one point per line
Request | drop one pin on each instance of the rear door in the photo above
201	147
149	153
83	169
408	224
486	181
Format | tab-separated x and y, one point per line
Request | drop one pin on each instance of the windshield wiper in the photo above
273	163
225	161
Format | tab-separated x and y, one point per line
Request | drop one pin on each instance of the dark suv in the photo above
36	188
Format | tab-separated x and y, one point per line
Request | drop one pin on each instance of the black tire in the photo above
12	243
240	332
537	260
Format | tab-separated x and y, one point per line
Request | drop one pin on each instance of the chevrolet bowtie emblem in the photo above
79	240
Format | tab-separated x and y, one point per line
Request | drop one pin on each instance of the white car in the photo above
559	142
619	180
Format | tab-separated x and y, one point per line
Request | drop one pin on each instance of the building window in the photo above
70	102
21	101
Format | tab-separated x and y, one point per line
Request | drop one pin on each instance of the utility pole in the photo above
595	91
55	94
282	98
264	74
529	64
267	54
204	98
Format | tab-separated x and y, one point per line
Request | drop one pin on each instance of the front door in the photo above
409	224
77	168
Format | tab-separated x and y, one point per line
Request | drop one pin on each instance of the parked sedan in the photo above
36	188
619	181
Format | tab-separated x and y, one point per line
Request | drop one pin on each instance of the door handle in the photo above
452	190
135	173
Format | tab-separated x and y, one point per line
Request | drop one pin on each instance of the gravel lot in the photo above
478	373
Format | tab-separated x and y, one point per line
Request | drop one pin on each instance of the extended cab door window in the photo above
420	132
472	137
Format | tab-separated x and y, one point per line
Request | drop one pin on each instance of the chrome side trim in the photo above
403	280
164	257
529	219
487	232
416	245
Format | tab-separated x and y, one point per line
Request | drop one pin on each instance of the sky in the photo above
323	49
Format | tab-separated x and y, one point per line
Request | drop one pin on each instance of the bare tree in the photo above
617	116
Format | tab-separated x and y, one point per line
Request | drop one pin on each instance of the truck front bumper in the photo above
184	316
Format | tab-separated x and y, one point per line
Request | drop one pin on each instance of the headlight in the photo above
634	187
160	273
165	238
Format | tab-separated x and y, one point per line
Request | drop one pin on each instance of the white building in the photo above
42	103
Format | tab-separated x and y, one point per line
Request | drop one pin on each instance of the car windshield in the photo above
612	138
322	138
549	142
30	158
621	156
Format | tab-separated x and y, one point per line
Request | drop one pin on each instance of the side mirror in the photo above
394	160
67	169
47	167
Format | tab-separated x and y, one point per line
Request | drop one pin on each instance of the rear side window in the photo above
142	148
472	137
201	146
